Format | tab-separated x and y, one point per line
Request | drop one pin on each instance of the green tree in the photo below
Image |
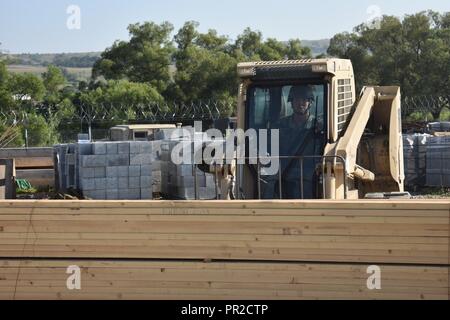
205	70
295	50
146	57
6	99
250	46
123	92
53	79
41	131
26	85
413	53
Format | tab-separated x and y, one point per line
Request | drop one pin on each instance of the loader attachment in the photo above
371	145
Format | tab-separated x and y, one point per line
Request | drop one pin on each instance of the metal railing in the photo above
244	161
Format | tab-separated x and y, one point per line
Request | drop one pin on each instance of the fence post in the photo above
9	178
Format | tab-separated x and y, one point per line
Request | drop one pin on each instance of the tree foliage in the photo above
413	52
145	58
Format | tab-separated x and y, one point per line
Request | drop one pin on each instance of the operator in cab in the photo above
297	140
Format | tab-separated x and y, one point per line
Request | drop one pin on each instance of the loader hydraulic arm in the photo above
375	165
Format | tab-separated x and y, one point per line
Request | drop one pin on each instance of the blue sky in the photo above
40	26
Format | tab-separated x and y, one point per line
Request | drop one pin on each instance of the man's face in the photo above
301	105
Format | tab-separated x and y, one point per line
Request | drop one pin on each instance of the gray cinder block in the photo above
88	184
111	148
87	172
146	147
123	183
112	182
99	148
93	160
123	148
146	182
112	194
140	147
84	148
122	171
140	159
118	160
112	172
134	194
146	170
134	182
146	194
100	183
134	171
100	172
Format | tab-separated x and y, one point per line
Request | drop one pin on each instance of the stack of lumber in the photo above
225	249
46	279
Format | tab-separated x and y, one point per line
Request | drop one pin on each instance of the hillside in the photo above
68	60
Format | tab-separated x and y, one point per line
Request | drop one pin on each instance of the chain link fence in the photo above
425	105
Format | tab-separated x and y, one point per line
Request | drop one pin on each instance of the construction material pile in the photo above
427	160
107	170
185	181
438	162
133	170
415	156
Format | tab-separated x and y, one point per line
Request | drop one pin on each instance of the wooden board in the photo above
404	232
46	279
266	249
34	162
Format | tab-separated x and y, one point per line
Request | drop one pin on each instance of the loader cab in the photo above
267	102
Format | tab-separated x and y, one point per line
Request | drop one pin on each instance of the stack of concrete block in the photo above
415	156
117	170
110	170
438	162
179	180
